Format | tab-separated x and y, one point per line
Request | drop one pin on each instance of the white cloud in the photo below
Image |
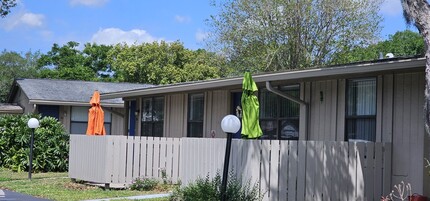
391	8
201	35
88	2
25	19
112	36
182	19
34	20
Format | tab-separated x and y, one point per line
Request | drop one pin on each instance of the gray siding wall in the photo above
323	110
217	106
175	119
22	100
65	117
117	127
399	120
408	130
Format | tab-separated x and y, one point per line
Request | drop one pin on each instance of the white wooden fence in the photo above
286	170
296	170
120	159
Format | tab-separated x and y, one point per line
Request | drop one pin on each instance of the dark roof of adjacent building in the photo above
68	92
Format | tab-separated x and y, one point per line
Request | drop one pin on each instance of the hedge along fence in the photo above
51	144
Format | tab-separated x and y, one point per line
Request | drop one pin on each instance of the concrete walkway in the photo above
139	197
6	195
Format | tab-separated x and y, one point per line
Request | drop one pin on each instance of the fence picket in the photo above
293	161
265	166
169	158
130	156
176	158
343	179
122	160
360	170
136	157
143	157
150	157
377	179
301	170
310	171
352	169
327	165
274	170
369	176
283	171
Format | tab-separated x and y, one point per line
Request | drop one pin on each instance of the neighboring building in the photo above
68	101
380	101
10	108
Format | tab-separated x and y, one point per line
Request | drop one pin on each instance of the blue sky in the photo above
36	25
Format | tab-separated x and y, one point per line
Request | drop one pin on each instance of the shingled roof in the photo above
50	90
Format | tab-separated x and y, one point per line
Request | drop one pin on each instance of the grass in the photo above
56	186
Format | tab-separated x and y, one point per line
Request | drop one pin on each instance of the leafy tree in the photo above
12	66
95	57
51	144
402	43
68	62
418	13
162	63
271	35
5	7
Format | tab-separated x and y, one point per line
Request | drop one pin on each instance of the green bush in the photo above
143	184
51	144
210	190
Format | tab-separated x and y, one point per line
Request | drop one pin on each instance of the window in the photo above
361	109
195	115
153	116
79	120
279	117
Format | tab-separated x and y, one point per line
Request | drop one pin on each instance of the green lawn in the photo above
56	186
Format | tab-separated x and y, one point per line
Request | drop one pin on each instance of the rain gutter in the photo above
294	99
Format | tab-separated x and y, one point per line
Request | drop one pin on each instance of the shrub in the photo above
51	144
143	184
210	189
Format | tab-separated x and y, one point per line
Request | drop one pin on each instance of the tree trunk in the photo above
418	12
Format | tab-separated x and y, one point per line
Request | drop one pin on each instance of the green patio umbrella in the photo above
250	108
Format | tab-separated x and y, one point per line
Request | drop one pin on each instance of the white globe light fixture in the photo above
229	124
32	123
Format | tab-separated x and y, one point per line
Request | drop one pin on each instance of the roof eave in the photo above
290	75
71	103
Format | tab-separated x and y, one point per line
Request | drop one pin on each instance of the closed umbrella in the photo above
96	116
250	108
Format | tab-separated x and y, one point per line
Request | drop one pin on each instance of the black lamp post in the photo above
230	124
32	123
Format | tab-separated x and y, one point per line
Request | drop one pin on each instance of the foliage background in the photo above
51	144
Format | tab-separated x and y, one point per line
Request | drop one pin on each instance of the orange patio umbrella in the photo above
96	116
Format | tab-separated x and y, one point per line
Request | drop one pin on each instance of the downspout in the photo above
294	99
34	109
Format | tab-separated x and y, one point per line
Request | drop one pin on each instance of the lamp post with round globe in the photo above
230	124
32	123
